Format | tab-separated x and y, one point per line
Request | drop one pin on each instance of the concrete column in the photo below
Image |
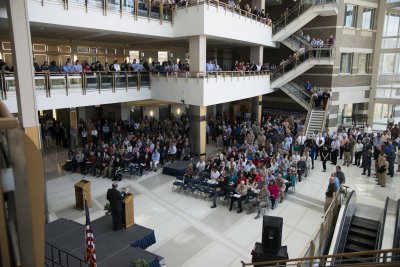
198	129
197	53
257	54
28	165
257	108
260	4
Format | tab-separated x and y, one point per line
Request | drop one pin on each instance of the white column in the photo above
197	53
257	54
28	166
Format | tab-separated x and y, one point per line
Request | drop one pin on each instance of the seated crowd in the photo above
103	148
258	163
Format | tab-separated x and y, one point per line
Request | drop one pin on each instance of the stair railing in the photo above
311	53
381	228
326	113
296	12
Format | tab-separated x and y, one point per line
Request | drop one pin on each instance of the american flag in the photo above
90	250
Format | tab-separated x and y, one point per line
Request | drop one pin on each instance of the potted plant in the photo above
140	263
107	208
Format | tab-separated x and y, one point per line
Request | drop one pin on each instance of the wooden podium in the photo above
127	211
82	188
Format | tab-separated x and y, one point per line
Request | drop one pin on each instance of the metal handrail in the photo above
225	7
307	55
296	12
326	113
68	81
325	257
58	259
345	223
396	236
140	8
381	229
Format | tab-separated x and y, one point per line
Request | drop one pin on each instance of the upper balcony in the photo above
140	18
219	20
55	90
205	89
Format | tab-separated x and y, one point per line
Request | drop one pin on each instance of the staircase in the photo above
297	93
315	122
300	15
362	236
309	59
294	42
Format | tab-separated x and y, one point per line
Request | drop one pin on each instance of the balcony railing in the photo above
212	74
225	7
86	81
137	8
312	53
296	12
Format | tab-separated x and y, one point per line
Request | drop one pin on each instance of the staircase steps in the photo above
362	236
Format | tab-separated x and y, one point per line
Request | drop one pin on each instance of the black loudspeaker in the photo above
272	234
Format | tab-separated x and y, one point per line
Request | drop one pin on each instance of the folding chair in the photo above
179	182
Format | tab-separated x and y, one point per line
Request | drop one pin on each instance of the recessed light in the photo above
42	28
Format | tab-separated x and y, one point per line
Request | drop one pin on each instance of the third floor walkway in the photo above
211	18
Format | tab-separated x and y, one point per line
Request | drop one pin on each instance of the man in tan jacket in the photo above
382	168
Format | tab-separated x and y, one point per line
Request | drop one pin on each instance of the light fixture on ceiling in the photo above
41	28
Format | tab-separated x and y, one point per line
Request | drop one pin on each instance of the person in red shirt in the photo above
241	178
273	189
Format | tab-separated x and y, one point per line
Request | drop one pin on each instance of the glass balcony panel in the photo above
57	82
40	83
74	81
106	81
132	80
92	81
120	80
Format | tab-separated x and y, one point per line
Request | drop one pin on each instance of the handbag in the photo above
382	169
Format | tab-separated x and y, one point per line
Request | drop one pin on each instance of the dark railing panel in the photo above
381	228
348	214
396	237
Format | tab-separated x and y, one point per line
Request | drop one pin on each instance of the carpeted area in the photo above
124	246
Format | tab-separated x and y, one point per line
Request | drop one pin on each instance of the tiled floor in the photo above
189	233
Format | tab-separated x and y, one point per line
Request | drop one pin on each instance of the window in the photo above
391	27
387	63
363	63
133	54
368	19
350	15
346	62
162	56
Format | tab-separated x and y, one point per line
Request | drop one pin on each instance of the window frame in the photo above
349	62
353	16
372	18
367	61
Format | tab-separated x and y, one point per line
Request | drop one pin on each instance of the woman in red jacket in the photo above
273	189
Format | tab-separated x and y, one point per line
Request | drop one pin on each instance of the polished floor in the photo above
189	233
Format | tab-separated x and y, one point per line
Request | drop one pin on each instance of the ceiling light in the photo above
41	28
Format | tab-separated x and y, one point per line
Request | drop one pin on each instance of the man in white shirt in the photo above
117	67
172	152
320	141
358	151
214	175
301	139
200	166
367	129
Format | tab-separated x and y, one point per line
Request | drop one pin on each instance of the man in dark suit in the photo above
115	198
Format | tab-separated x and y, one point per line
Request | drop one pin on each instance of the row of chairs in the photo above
200	187
193	185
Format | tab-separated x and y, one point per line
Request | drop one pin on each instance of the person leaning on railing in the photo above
331	191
